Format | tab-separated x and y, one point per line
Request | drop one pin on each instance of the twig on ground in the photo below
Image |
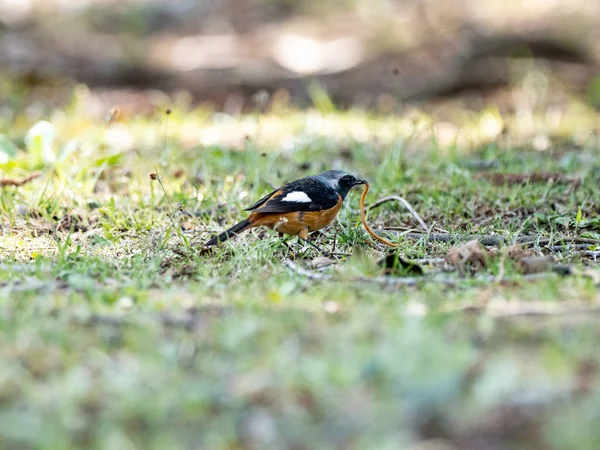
334	239
497	240
407	205
454	238
155	176
568	247
592	254
19	182
399	228
306	273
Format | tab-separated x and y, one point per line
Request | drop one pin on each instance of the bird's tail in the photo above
236	229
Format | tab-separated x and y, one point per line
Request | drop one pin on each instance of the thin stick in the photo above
494	239
591	254
575	248
407	205
306	273
574	240
321	251
334	239
19	182
173	210
454	238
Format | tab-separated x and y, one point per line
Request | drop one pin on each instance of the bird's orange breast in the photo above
296	222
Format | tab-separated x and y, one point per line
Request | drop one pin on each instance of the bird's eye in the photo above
346	178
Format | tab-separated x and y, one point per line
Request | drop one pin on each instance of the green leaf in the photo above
578	217
565	221
100	241
593	224
111	160
590	234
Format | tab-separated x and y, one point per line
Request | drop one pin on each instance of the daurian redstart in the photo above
299	207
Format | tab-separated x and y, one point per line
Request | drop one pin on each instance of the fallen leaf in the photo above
72	222
187	225
321	261
517	251
535	264
471	254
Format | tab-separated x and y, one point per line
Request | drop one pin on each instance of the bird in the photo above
297	208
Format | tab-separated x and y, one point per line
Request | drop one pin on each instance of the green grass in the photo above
117	331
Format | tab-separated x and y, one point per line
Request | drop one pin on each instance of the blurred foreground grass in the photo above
117	332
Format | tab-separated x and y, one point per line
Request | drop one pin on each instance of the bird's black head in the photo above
341	181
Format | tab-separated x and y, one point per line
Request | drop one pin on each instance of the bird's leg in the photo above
332	252
284	242
334	239
303	236
319	235
320	250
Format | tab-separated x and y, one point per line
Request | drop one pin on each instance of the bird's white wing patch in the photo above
297	197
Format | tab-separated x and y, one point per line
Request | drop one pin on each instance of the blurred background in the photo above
380	55
455	104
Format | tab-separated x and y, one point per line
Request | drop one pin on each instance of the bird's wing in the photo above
302	195
261	201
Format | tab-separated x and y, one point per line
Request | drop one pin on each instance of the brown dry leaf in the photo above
39	227
188	225
535	264
517	251
115	114
321	261
184	271
19	182
472	253
72	222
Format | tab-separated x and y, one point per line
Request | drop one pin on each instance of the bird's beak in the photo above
357	182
